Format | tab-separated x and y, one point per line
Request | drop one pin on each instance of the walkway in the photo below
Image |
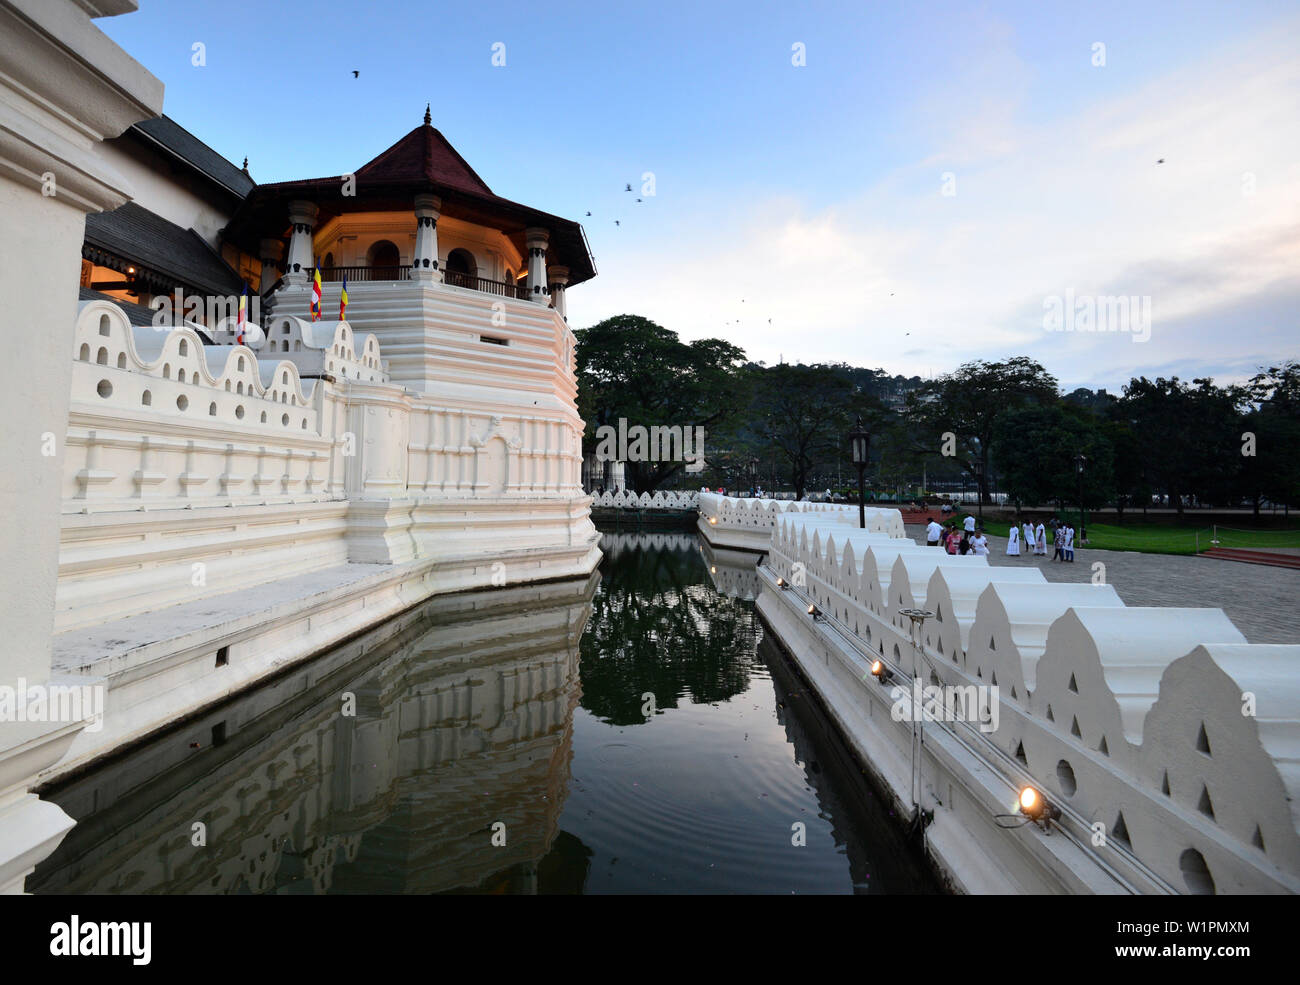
1259	599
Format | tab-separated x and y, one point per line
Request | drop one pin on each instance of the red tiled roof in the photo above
424	154
423	160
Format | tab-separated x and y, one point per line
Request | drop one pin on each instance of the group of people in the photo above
1034	539
969	539
972	540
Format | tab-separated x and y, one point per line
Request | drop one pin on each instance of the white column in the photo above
272	252
537	240
302	219
559	278
52	174
425	265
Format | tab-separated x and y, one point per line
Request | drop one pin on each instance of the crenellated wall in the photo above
748	523
229	509
1133	720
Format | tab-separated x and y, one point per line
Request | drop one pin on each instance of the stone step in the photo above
1253	557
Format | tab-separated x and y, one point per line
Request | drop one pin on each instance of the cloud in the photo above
1077	202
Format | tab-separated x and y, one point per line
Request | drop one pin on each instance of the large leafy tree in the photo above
629	367
1188	436
1036	448
804	414
1273	471
969	403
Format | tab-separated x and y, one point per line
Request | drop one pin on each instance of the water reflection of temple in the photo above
463	718
733	573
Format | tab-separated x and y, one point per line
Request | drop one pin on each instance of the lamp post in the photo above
977	468
1080	462
753	476
859	443
919	816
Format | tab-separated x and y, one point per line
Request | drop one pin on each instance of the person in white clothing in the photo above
1040	540
969	523
1069	542
1013	541
979	543
1027	531
932	533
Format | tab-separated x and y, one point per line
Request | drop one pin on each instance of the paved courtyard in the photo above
1263	601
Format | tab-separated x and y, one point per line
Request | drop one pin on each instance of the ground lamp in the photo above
1037	808
859	441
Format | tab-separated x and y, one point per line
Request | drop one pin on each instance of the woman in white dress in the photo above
1013	541
1027	538
979	543
1040	540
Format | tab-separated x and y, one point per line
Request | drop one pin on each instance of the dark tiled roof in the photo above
424	153
180	142
137	314
136	234
422	160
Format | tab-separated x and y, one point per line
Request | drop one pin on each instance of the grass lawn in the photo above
1164	538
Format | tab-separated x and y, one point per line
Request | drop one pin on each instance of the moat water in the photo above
632	732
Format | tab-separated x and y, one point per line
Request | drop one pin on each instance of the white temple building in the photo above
185	515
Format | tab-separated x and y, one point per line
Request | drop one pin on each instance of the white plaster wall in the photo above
37	269
1146	681
158	188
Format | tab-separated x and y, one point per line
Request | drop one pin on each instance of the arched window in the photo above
329	260
383	254
460	267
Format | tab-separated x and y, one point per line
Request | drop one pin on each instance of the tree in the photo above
805	414
968	403
1035	450
1189	435
1273	470
631	368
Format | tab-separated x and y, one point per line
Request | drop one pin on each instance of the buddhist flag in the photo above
242	318
343	299
315	296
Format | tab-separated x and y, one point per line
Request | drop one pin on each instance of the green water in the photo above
631	732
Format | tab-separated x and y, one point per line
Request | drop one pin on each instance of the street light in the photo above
1080	462
753	476
859	442
977	468
918	618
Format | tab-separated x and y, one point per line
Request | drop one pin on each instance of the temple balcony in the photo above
365	274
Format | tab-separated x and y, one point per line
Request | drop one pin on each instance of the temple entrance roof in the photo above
423	161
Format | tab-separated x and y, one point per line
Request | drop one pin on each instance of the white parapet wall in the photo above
747	524
1168	742
658	500
229	509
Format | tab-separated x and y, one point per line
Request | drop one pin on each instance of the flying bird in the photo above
1161	161
356	74
616	222
588	213
638	199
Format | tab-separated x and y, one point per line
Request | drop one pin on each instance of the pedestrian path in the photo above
1259	599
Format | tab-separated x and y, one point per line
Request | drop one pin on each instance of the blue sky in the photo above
813	195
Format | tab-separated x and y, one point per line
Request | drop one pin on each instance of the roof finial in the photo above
245	165
428	120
